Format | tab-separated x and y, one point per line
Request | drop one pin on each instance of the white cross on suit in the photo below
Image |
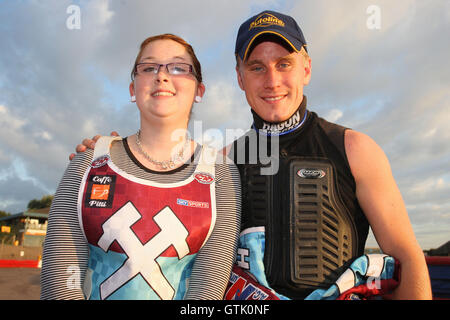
142	258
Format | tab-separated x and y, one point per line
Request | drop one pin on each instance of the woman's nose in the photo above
162	75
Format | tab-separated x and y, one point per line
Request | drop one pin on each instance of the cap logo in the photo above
266	20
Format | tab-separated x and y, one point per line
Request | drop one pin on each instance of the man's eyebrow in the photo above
253	62
288	57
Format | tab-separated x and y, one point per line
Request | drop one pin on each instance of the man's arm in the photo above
382	203
89	144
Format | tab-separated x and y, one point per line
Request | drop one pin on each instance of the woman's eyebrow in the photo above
154	58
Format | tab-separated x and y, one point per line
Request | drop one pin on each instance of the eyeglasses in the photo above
175	69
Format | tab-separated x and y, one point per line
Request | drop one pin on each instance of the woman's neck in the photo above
155	144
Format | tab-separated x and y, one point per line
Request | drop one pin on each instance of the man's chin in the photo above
275	117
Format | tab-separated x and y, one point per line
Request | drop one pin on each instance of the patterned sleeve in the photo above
212	267
65	253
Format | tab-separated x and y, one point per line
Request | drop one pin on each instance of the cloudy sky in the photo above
379	67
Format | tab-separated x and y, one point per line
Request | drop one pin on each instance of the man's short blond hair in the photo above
302	52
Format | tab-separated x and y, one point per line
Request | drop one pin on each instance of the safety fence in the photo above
12	256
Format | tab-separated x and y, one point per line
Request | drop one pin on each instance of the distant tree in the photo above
4	213
44	202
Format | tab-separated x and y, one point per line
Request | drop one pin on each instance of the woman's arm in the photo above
65	254
212	267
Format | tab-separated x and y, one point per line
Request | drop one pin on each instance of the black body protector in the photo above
313	223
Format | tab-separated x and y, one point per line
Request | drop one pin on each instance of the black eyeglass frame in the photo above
159	65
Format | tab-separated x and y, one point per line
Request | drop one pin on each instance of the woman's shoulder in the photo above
218	157
81	160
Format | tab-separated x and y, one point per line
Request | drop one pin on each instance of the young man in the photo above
306	221
313	214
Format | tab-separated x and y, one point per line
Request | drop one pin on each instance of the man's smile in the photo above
274	98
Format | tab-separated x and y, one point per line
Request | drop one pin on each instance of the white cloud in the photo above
9	121
428	186
45	135
334	115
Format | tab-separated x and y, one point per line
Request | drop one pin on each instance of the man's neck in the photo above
294	122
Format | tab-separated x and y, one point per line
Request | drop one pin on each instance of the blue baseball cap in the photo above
269	23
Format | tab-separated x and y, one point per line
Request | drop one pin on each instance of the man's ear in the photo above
239	78
307	66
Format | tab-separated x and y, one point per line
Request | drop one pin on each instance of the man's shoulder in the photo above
333	128
358	141
332	132
328	126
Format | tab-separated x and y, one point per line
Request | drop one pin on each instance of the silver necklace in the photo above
165	164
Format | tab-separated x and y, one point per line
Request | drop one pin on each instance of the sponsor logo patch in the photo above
100	191
287	125
242	287
193	204
310	173
100	161
204	178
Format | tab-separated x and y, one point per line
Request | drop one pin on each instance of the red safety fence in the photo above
20	263
436	260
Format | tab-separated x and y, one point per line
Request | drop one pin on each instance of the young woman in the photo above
153	215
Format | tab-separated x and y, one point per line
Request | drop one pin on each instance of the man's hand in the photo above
89	143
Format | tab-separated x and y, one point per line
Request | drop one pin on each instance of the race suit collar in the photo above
281	128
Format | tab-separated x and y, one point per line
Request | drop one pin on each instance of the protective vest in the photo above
143	236
301	224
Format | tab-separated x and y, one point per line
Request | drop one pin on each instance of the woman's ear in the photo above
200	92
133	97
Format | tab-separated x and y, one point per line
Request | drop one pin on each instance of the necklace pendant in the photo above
166	164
